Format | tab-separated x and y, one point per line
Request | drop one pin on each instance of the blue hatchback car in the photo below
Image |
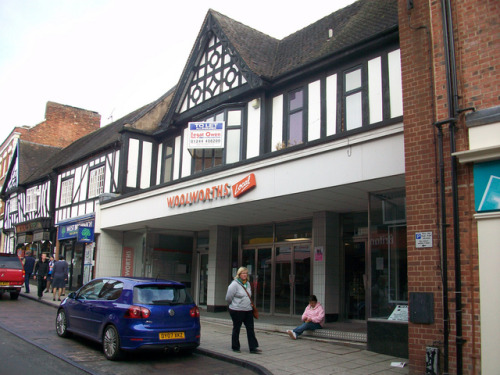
131	313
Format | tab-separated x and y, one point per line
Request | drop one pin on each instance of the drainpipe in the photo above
444	251
451	80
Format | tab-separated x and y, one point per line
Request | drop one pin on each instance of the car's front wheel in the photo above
111	343
62	324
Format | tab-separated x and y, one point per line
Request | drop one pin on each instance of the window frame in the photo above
92	192
288	113
62	198
209	158
32	199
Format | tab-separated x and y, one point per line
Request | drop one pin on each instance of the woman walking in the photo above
238	296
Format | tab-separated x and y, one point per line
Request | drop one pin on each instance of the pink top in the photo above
316	314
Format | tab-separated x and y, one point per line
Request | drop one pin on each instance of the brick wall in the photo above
426	102
63	125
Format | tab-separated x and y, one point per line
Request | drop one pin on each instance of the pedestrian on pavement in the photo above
49	276
312	318
60	277
29	265
238	296
41	272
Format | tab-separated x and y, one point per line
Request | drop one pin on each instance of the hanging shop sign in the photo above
85	234
211	193
206	135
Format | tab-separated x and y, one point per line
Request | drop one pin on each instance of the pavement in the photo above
319	354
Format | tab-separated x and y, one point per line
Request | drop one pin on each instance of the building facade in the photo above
450	64
305	185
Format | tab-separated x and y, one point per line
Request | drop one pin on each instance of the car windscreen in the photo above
162	295
11	262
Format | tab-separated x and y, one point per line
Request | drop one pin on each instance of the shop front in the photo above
34	236
76	244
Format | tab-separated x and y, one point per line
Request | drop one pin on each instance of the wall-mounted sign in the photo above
487	186
212	193
72	230
423	239
206	135
127	261
241	187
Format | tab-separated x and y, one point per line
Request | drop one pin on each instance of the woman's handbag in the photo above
254	309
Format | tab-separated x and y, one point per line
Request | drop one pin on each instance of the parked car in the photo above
126	314
11	275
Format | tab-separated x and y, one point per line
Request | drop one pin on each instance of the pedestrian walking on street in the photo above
49	276
238	296
29	266
60	277
312	318
41	272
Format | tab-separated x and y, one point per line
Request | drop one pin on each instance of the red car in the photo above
11	275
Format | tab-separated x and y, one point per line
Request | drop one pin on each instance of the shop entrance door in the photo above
258	262
202	290
355	280
292	278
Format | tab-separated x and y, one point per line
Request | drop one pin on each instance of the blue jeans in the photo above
306	326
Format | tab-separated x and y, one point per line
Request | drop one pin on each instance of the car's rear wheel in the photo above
111	343
62	324
14	295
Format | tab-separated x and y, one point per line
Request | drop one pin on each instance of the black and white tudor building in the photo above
307	190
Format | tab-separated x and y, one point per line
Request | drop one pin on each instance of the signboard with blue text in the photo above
206	135
487	186
73	230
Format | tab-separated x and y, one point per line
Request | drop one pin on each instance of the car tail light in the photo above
137	312
194	312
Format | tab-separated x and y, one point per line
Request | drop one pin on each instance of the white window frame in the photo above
96	182
13	203
67	191
32	199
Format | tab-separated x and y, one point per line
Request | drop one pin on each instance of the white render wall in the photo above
109	254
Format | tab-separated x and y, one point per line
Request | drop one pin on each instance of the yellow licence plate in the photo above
4	283
171	335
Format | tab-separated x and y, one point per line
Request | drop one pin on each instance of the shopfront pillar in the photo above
219	268
326	268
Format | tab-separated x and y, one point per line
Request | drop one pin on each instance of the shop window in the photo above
388	247
67	192
96	183
294	231
204	159
256	234
32	199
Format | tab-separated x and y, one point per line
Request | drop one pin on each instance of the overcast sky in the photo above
114	56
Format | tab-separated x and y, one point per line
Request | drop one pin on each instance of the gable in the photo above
215	71
12	178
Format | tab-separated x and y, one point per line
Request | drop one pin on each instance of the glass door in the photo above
355	279
202	290
292	270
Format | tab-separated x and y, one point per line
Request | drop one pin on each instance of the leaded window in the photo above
66	192
32	199
96	183
214	74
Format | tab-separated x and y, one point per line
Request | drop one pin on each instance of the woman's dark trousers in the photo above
245	317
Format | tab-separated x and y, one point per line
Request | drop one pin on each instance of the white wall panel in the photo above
186	156
375	90
395	83
277	122
177	157
331	104
314	111
147	152
253	131
132	163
